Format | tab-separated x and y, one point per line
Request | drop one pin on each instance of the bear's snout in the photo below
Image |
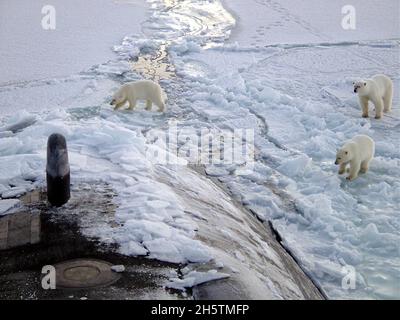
112	102
355	90
337	161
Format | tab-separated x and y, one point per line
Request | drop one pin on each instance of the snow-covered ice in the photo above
8	205
279	22
299	99
194	278
284	71
118	268
103	149
84	33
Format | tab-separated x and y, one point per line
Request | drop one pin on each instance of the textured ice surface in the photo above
299	100
323	220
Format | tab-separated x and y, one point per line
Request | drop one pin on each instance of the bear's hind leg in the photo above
387	99
364	166
160	104
161	107
148	105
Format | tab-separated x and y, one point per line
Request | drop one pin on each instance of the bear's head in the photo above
360	87
118	98
343	155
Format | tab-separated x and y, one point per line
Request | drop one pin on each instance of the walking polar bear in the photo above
147	90
358	152
378	89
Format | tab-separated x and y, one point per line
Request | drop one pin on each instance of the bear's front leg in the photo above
378	108
364	106
132	104
119	105
342	168
354	170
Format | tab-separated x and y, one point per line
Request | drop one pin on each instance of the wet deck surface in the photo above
35	237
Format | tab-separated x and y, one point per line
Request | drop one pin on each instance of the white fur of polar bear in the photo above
147	90
378	89
358	152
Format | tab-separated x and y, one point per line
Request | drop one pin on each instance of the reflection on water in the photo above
22	227
156	66
19	229
207	21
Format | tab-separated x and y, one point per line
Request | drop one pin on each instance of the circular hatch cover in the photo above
84	273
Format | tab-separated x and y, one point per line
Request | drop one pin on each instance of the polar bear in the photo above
378	89
140	90
358	152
